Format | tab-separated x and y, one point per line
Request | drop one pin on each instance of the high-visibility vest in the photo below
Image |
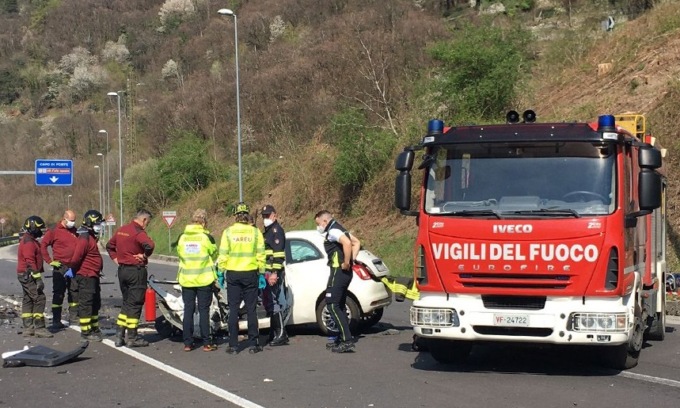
197	252
241	249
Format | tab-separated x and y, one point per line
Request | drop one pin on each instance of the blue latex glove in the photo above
221	279
69	273
262	283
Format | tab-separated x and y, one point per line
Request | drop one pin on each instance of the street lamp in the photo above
120	154
228	12
99	170
107	186
68	201
114	186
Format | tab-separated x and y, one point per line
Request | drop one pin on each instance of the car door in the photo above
307	277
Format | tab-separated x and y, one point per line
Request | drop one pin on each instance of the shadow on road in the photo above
520	359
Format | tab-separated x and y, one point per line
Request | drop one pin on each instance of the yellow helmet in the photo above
241	208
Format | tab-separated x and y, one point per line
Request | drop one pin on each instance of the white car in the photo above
307	275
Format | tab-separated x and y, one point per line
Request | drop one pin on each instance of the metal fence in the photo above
9	240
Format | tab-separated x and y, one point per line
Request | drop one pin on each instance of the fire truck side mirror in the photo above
649	157
404	161
402	191
649	190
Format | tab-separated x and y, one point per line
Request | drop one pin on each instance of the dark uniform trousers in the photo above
242	286
89	303
60	286
132	279
33	302
336	296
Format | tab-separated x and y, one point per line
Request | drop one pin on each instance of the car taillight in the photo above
361	271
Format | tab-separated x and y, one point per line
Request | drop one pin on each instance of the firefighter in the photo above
29	273
341	248
62	239
86	264
197	276
275	299
241	257
130	248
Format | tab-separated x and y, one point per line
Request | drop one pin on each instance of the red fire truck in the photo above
538	233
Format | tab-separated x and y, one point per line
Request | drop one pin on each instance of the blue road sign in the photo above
50	172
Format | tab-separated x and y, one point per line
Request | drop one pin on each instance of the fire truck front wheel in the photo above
626	355
449	351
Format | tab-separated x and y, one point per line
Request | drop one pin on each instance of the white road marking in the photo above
197	382
186	377
649	378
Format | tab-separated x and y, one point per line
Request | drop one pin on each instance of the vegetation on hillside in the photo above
329	92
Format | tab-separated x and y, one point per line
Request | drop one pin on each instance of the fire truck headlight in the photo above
599	322
430	317
606	322
586	322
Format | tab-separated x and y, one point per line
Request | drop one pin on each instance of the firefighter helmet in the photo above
92	218
241	208
34	225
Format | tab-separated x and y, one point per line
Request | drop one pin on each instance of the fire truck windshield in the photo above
508	180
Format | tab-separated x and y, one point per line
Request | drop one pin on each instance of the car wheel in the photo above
371	319
327	324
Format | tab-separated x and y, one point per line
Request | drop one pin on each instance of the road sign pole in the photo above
169	239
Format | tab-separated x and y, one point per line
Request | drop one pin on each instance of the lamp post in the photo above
106	187
229	12
120	155
99	175
114	186
68	201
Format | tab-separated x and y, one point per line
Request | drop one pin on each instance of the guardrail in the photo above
8	240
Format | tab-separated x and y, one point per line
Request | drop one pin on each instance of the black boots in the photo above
56	320
278	329
120	336
135	340
29	330
40	330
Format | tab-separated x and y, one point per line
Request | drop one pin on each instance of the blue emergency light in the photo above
606	123
435	127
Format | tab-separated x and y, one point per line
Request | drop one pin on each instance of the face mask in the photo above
320	229
70	224
97	229
267	222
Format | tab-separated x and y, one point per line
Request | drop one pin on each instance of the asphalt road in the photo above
384	371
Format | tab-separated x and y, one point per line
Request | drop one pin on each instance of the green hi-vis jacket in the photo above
197	252
241	249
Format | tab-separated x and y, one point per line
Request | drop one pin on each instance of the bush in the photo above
185	167
141	186
481	68
10	85
362	149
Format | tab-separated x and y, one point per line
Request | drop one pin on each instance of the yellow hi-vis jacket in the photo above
197	253
241	249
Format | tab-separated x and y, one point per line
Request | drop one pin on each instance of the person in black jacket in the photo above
275	295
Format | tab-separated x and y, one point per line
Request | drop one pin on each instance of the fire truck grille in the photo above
514	302
515	281
513	331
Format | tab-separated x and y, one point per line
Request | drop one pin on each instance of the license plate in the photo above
515	320
380	266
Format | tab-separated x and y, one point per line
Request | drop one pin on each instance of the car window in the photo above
301	251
